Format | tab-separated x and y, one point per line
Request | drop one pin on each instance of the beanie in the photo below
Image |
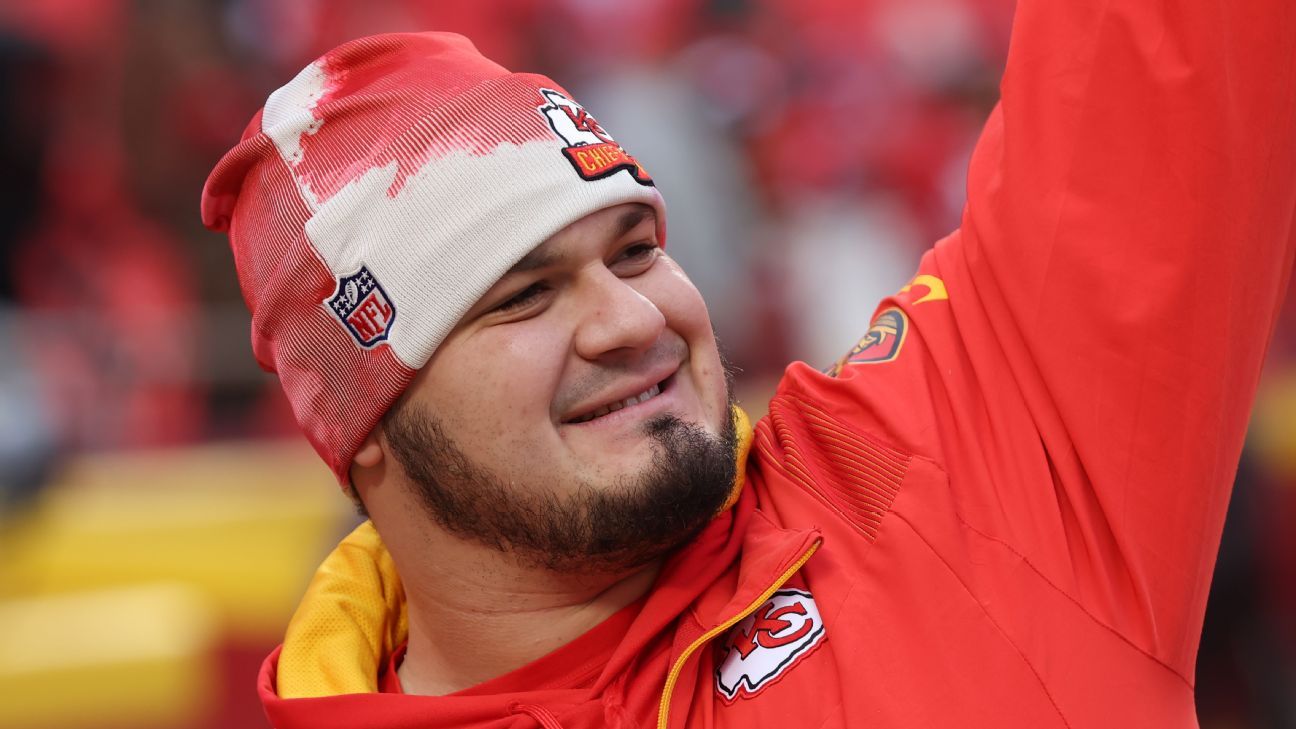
378	195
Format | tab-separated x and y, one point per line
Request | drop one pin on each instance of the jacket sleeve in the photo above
1114	283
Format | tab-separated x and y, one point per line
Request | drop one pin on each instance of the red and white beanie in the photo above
378	195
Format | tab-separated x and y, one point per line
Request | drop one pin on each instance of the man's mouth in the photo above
613	407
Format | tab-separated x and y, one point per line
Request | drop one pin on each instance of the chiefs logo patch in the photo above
881	343
768	643
591	150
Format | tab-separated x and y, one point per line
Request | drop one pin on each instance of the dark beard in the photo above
616	527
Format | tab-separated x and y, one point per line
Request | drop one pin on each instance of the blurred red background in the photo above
159	516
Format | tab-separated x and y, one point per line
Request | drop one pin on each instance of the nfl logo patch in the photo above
362	306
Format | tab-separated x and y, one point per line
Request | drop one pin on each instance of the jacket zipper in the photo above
663	712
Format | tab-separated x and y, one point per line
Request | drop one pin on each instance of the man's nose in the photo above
616	320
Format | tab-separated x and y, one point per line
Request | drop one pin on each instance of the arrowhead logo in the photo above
592	152
768	643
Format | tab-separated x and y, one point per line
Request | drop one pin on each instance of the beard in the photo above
607	527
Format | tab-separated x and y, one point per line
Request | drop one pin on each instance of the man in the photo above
999	509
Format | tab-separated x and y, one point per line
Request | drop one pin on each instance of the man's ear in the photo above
367	468
371	452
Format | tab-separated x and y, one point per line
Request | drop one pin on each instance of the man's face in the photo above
583	399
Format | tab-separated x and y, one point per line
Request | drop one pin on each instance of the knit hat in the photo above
378	195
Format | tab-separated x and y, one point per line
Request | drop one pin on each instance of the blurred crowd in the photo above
808	150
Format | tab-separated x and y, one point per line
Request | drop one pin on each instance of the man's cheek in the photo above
677	298
511	406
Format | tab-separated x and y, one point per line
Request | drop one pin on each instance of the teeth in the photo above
644	396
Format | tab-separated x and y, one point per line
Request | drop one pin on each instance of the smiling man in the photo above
589	408
998	509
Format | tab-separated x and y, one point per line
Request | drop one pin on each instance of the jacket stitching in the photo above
804	481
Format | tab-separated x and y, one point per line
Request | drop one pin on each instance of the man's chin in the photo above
676	492
666	489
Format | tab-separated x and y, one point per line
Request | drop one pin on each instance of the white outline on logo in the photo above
734	674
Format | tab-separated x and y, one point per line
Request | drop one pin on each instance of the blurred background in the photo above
159	514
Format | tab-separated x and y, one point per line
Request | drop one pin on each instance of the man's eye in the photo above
637	257
523	297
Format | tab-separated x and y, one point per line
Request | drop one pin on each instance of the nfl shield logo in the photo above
362	306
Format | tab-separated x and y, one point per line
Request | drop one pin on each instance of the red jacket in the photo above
1001	509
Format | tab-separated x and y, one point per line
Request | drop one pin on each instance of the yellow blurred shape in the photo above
1273	430
93	658
243	524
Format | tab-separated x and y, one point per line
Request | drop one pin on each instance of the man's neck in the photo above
476	614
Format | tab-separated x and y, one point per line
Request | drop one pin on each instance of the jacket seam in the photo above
999	628
1096	620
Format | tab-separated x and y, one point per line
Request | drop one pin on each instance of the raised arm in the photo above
1125	248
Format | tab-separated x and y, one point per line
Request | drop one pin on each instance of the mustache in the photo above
604	378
